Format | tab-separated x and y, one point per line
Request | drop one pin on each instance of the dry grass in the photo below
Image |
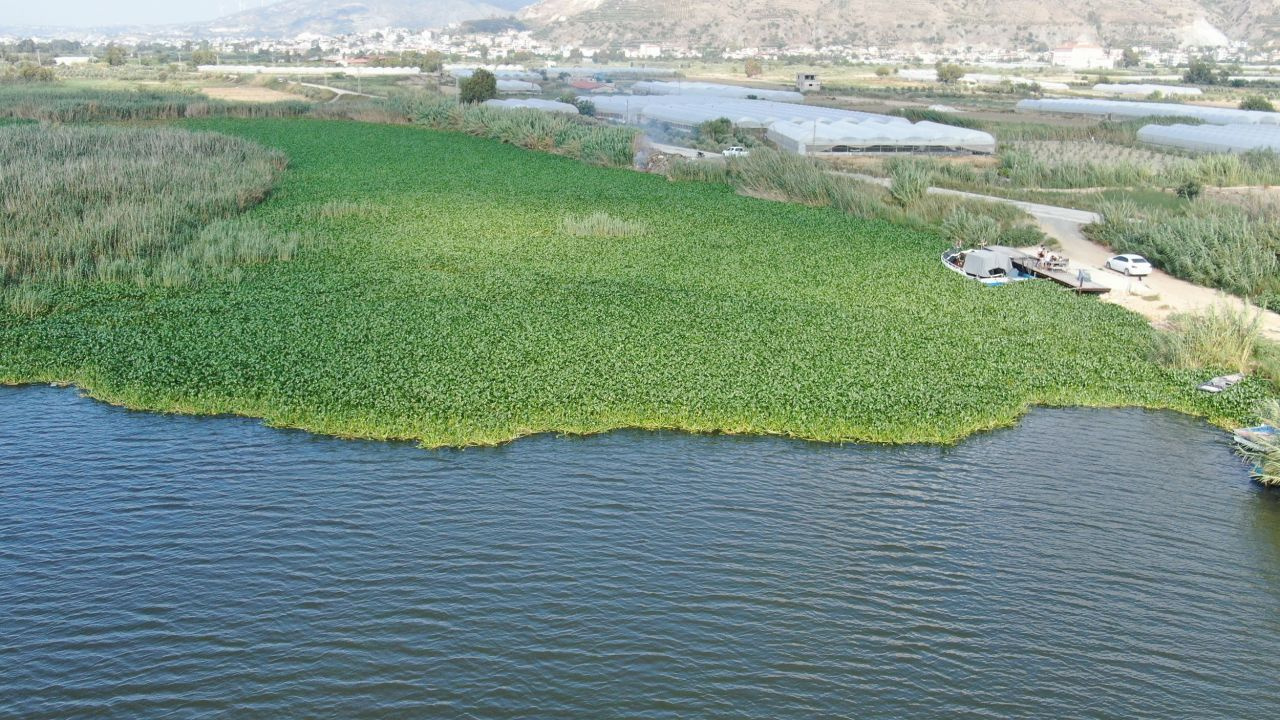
249	93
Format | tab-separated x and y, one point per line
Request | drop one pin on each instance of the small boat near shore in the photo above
986	266
1256	438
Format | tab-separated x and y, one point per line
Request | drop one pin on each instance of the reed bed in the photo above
58	103
785	176
575	136
1210	244
116	204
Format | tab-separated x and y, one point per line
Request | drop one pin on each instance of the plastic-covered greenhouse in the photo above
611	71
798	128
876	136
465	72
688	111
653	87
1144	89
518	86
534	104
1130	109
1213	138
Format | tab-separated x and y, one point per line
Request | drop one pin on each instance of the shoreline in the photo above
116	400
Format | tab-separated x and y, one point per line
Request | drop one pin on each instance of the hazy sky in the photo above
133	12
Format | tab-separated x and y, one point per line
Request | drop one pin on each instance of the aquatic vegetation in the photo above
121	204
601	225
436	296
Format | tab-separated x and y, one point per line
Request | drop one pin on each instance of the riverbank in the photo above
443	293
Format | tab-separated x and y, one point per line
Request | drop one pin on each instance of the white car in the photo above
1130	265
736	151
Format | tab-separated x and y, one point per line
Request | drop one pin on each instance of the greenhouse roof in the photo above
534	104
652	87
463	73
871	132
518	86
1213	138
693	110
1144	89
1131	109
620	70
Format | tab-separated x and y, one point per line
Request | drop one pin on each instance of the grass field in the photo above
443	291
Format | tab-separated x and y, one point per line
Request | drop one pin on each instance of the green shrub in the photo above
1257	102
910	180
1189	190
964	228
1220	338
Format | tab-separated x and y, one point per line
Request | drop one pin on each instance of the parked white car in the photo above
736	151
1130	265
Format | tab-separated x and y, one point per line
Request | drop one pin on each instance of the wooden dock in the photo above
1031	265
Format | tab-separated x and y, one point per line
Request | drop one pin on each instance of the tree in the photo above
203	55
1200	72
481	86
718	131
1129	58
754	67
1257	102
115	55
949	74
883	71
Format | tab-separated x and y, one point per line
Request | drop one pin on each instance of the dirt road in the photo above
1154	297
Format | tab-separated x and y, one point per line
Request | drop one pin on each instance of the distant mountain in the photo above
335	17
926	23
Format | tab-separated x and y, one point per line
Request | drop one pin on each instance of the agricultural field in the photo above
455	290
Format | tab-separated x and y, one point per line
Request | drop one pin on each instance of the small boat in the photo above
985	266
1256	438
1220	383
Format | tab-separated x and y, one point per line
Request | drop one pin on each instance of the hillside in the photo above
291	17
748	23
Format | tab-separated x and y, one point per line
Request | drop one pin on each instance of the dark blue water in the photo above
1083	564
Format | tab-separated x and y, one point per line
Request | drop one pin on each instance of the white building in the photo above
1082	55
72	60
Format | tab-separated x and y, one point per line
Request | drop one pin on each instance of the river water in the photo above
1084	564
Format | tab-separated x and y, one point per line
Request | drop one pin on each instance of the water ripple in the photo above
157	566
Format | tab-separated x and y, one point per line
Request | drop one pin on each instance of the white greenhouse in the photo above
1129	109
516	87
688	111
1144	89
464	73
797	128
631	71
653	87
877	136
533	104
1213	138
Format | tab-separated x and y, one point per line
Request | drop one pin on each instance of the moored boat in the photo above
985	266
1257	438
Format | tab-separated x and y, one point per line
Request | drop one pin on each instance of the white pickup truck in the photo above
736	151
